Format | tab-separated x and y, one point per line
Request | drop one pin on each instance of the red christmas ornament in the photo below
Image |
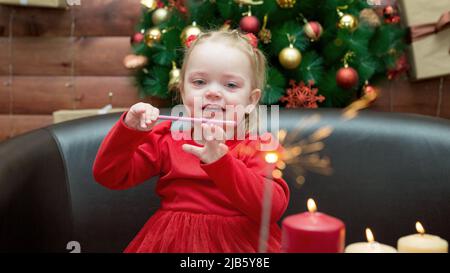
370	93
347	77
180	5
249	24
160	4
302	96
401	66
137	38
389	11
313	30
391	15
393	20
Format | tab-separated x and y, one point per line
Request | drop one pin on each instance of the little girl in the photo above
211	189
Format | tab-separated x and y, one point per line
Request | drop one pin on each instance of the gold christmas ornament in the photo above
160	16
348	21
152	35
290	57
285	4
174	78
188	31
150	4
132	61
370	17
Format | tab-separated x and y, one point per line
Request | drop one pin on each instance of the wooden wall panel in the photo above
5	56
94	56
4	95
93	18
383	102
445	99
56	93
422	97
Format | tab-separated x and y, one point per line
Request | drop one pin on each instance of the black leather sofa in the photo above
390	170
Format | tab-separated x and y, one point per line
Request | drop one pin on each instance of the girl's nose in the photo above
213	93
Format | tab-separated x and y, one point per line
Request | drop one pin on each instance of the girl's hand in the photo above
214	147
142	116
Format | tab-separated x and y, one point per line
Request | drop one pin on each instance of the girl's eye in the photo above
198	82
232	85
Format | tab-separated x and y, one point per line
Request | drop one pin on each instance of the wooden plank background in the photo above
42	50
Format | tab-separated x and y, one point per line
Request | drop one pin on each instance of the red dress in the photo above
205	208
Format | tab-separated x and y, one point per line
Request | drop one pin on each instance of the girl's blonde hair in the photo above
238	40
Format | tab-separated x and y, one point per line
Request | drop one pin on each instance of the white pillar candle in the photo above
422	243
371	246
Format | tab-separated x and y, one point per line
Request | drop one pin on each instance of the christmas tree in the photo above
320	52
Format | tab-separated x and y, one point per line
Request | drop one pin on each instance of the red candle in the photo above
312	232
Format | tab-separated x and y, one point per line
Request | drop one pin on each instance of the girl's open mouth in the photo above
210	110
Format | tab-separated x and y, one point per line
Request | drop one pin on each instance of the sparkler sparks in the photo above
301	153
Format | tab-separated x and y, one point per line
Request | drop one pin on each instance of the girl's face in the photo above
218	75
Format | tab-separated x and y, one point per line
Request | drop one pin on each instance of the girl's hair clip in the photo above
252	39
190	40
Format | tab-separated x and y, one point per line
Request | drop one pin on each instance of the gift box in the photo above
41	3
429	24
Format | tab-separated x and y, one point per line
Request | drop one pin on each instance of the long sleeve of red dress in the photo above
213	207
127	157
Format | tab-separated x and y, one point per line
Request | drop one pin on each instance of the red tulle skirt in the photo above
169	231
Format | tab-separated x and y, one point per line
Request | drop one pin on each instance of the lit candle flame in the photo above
311	205
271	157
369	235
420	228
